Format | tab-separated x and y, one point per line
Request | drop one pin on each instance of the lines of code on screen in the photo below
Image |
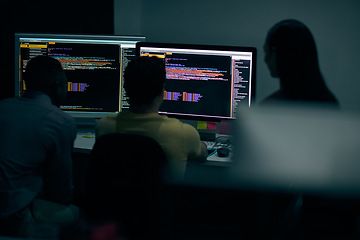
197	84
93	75
92	71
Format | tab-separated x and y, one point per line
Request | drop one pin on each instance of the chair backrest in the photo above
125	181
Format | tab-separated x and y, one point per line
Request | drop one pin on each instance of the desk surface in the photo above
85	141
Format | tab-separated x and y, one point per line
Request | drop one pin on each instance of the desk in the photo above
216	159
85	141
221	140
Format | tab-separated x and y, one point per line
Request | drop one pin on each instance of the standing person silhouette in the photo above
291	56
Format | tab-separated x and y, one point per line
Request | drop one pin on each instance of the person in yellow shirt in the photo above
144	84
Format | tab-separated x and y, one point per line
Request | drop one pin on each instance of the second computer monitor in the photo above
204	81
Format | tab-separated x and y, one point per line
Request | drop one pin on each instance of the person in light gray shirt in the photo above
36	141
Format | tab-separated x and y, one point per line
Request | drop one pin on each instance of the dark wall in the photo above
334	24
65	16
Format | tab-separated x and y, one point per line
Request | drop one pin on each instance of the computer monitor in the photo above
93	64
203	81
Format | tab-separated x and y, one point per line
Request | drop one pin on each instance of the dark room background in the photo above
65	16
334	24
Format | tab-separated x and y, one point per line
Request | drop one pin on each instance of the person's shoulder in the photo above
60	114
11	101
185	128
171	121
7	100
190	131
106	120
60	120
109	117
106	124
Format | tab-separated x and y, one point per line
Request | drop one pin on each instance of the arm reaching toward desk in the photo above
197	149
203	154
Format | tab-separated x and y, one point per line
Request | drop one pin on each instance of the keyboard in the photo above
212	144
209	144
218	143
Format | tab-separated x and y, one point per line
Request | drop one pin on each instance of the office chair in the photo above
126	184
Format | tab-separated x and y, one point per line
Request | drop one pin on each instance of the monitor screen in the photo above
204	81
93	65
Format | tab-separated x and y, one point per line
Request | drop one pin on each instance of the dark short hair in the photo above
144	79
42	73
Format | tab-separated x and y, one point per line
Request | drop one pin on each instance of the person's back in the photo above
144	84
178	140
29	127
35	149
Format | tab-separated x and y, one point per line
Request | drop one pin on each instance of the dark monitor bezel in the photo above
253	50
